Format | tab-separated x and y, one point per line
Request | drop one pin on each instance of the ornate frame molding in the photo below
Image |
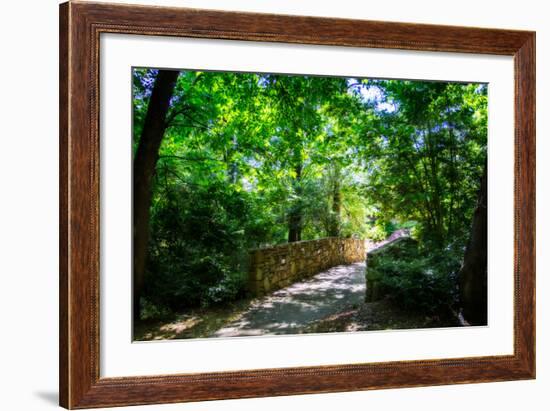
81	24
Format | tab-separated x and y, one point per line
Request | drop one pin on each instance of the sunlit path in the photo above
288	310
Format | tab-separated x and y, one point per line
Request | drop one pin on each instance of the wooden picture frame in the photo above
80	27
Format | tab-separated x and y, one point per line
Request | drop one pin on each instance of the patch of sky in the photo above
481	88
174	100
275	139
248	185
453	109
385	141
147	79
386	106
371	94
253	162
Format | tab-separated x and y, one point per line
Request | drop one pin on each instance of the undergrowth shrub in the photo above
414	278
198	250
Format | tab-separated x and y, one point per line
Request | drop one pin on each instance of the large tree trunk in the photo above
473	273
144	168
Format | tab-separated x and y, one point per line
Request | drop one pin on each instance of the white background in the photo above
28	215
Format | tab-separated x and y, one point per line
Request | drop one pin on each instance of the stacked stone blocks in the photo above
279	266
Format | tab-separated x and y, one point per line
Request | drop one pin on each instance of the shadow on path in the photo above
289	310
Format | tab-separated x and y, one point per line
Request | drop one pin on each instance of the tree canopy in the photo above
249	160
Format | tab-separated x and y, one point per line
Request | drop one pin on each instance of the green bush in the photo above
415	278
376	233
230	288
150	311
198	248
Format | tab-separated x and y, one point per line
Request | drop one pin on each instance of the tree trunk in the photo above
295	217
144	168
232	166
473	273
336	205
294	230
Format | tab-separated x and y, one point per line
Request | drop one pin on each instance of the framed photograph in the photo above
259	205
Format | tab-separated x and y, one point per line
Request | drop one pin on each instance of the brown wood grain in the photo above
63	207
80	27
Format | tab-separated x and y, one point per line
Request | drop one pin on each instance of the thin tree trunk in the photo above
232	166
473	273
436	186
336	204
295	217
144	168
453	180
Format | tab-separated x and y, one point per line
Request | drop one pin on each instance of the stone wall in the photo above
277	267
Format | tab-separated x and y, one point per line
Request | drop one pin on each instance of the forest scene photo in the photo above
269	204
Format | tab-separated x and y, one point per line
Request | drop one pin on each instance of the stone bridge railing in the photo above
279	266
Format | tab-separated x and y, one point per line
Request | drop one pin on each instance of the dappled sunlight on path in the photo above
289	310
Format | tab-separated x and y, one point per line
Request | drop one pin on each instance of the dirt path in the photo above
291	309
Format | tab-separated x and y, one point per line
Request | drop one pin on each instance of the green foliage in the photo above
418	279
157	311
198	247
247	159
376	233
426	161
